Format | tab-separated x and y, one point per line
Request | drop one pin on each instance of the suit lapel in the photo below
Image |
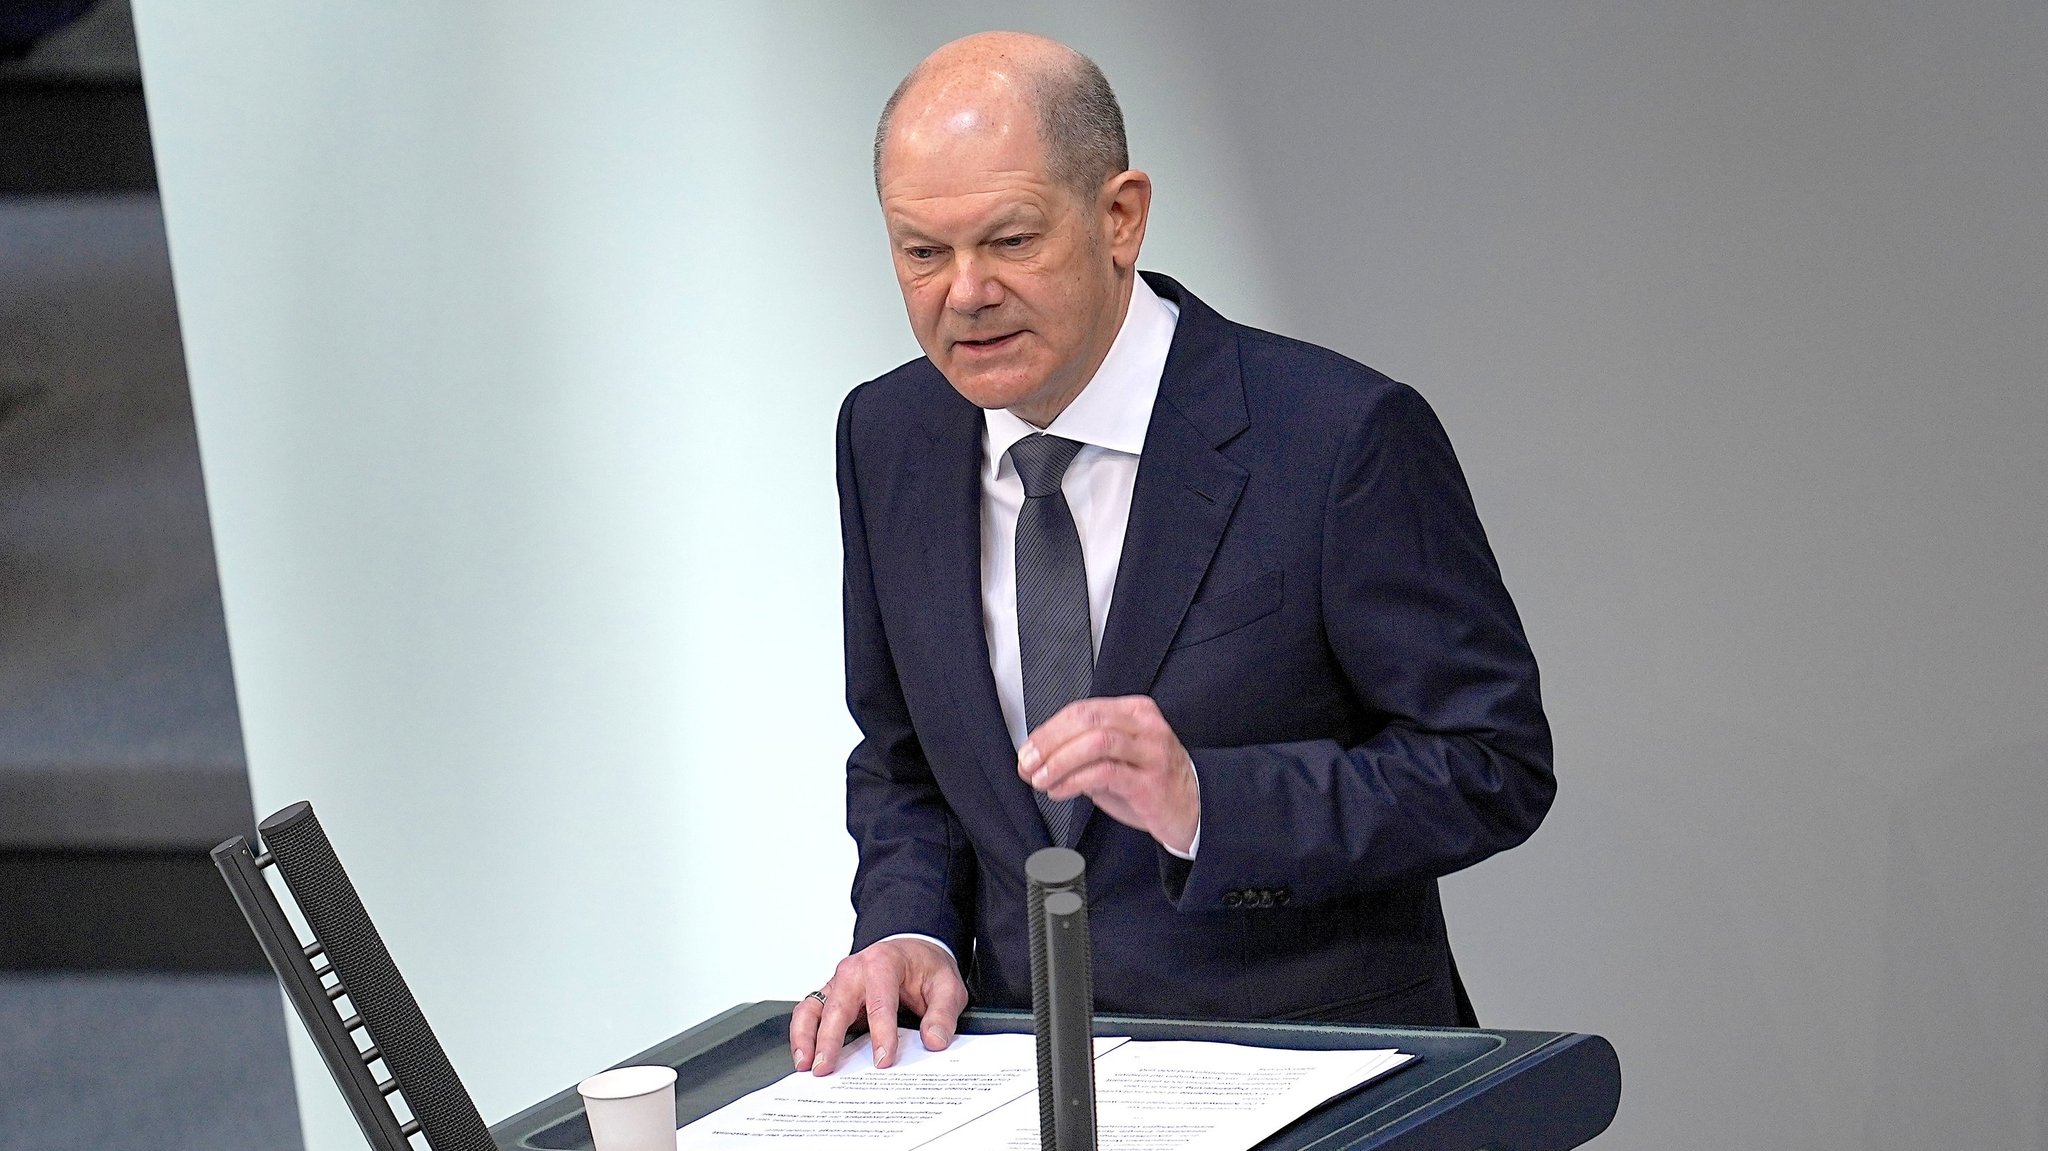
950	475
1185	494
1186	491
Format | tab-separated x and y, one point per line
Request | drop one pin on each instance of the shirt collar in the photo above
1115	407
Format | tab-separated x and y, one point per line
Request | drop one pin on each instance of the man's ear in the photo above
1127	199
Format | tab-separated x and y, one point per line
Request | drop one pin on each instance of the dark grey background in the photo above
134	1009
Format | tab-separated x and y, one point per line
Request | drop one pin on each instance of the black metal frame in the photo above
350	965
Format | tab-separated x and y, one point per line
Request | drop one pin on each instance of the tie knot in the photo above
1041	461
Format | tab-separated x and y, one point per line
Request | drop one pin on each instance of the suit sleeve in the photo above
915	873
1414	611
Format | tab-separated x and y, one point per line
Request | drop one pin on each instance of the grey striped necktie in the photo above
1054	644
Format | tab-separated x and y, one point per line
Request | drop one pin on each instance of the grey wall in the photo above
1733	310
1738	315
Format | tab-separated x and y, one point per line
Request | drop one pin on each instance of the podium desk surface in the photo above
1472	1089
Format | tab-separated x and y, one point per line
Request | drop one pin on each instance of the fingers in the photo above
1121	753
881	1008
846	995
1100	745
1097	777
1127	732
871	983
843	1004
933	989
945	997
1086	714
803	1032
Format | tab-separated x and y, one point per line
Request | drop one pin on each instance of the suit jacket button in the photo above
1265	897
1232	899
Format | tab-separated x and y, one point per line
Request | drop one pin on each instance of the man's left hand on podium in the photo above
914	972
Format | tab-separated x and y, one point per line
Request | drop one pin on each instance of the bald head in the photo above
995	81
1014	221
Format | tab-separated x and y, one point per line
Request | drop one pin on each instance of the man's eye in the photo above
1013	241
920	253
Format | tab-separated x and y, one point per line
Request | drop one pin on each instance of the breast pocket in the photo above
1225	613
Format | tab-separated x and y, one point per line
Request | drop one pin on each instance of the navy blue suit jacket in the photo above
1306	592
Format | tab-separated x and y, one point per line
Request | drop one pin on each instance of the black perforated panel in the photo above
313	874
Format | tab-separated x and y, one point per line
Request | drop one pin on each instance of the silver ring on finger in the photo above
817	995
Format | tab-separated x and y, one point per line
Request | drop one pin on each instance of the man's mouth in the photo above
990	342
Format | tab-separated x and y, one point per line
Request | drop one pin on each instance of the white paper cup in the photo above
631	1108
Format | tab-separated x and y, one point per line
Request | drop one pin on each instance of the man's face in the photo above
1010	278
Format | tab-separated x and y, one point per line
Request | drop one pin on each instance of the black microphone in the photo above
1062	998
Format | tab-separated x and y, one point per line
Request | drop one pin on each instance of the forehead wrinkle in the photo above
908	188
1005	213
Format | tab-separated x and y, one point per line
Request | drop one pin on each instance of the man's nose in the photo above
974	286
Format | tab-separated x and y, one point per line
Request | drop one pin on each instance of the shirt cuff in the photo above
940	943
1195	844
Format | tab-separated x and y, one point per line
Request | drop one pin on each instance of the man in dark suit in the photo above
1209	605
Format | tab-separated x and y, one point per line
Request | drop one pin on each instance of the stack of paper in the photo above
981	1092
